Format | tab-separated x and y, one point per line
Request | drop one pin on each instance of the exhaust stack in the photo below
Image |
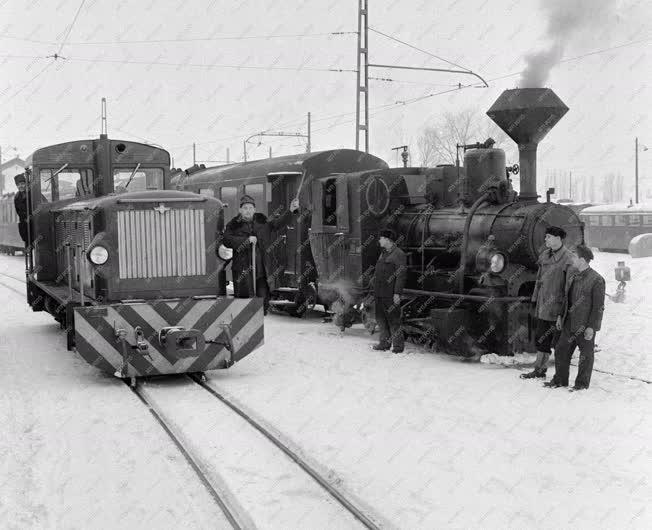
527	115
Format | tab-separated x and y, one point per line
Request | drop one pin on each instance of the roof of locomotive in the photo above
356	160
56	152
138	197
622	208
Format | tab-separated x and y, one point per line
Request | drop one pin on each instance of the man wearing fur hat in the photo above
389	280
20	204
242	233
554	264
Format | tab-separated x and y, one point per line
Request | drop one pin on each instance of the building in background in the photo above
8	170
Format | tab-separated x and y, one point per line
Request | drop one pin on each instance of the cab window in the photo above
329	202
229	195
148	178
47	187
208	192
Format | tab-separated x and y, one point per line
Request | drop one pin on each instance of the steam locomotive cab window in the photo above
329	202
257	193
377	195
208	192
143	179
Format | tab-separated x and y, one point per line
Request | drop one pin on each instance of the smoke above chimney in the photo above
565	19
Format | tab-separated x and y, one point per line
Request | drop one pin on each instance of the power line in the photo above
197	65
419	49
30	81
63	42
193	39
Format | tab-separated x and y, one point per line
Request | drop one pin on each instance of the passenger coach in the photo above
613	226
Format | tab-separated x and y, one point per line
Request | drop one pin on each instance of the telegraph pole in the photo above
362	85
194	153
104	125
636	167
308	145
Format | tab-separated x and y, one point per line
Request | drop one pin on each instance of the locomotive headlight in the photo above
98	255
497	263
225	253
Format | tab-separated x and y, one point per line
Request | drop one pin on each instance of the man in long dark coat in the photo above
581	320
389	281
242	233
20	204
554	263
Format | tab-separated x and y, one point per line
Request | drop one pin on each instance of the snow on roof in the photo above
618	208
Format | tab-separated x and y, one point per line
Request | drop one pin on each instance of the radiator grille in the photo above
154	244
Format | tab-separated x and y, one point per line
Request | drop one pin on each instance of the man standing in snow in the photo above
548	296
581	319
389	280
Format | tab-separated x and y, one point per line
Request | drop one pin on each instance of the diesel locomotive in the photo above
128	266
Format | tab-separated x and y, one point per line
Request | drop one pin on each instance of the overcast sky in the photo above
192	95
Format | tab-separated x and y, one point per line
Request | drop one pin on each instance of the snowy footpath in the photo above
426	440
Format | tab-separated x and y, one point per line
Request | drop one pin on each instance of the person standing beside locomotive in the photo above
245	231
548	296
20	204
581	319
388	282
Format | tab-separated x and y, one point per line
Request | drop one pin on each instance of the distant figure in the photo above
20	203
389	281
242	233
581	319
548	296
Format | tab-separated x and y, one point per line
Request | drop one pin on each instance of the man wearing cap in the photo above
554	263
249	229
581	319
20	203
388	282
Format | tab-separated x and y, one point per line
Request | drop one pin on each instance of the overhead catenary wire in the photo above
190	39
65	38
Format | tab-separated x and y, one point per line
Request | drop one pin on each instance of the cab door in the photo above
284	188
330	227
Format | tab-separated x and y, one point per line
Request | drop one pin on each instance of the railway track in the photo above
231	515
226	491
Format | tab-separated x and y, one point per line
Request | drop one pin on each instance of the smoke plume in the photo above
566	19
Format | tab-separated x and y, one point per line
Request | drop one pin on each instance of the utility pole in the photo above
104	128
362	85
636	167
570	184
228	155
308	145
194	153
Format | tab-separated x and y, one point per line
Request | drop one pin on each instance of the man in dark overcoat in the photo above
242	233
580	321
20	204
548	296
388	282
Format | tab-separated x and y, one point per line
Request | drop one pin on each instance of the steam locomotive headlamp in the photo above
497	263
225	253
489	258
98	255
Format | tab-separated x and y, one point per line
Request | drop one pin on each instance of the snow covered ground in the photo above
427	440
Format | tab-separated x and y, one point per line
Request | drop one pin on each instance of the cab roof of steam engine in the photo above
163	196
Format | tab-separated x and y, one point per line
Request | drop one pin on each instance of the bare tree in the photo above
436	145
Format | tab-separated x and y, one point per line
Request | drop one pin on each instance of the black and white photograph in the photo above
325	264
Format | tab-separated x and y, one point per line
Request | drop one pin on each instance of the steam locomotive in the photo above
127	266
472	244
